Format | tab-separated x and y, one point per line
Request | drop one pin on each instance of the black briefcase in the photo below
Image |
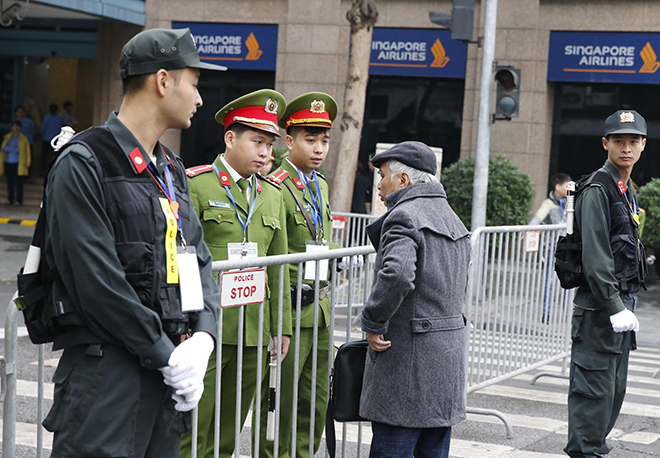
345	388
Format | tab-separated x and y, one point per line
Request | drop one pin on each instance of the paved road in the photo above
537	412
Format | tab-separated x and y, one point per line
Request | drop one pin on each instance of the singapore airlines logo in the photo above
650	59
440	58
254	53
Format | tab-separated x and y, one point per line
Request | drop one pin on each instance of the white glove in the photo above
624	321
188	398
187	364
357	261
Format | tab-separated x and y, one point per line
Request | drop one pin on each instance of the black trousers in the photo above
599	371
107	405
14	183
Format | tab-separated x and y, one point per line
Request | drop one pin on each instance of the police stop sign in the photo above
242	287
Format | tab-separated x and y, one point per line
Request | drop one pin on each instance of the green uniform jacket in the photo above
299	233
267	229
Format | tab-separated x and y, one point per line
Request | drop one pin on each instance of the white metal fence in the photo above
518	319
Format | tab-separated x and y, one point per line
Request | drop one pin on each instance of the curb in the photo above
18	222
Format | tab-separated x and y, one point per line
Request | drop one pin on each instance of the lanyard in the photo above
317	216
170	193
251	206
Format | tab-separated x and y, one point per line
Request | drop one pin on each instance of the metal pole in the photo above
11	355
483	130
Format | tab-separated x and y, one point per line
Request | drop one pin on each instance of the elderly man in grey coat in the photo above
414	378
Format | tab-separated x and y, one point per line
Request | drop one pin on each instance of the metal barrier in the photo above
518	315
348	229
349	292
509	333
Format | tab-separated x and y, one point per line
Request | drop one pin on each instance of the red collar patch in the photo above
299	184
137	160
622	186
224	179
258	185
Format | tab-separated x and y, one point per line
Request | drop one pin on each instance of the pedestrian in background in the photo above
51	127
552	209
15	159
414	377
27	125
604	323
68	118
134	274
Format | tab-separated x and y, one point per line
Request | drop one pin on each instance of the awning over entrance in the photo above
131	11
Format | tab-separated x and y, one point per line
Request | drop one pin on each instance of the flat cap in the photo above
414	154
260	110
153	49
625	122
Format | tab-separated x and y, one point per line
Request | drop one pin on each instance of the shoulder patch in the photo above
278	177
194	171
270	181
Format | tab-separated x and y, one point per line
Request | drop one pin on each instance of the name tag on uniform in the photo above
217	203
192	298
310	266
238	251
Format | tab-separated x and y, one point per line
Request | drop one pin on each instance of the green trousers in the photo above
304	397
599	370
205	435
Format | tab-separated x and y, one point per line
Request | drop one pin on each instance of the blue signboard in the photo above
604	57
237	46
417	52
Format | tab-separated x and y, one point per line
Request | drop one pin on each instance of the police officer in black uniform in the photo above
123	237
604	323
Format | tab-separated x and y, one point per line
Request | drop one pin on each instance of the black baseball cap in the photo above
414	154
625	122
153	49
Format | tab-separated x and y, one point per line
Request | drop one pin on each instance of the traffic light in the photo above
460	21
507	104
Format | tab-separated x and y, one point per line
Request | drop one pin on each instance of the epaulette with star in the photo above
194	171
278	177
269	180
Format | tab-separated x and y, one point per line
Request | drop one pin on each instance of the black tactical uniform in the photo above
106	237
612	258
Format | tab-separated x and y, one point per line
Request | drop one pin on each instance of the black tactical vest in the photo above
627	250
133	207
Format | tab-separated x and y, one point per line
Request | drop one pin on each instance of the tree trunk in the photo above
362	16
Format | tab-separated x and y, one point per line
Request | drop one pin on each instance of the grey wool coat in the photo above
423	252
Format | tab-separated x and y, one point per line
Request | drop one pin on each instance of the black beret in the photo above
414	154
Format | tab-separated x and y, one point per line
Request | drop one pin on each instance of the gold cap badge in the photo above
627	116
318	106
271	106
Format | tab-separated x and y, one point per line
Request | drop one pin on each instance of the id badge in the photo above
238	251
192	298
310	266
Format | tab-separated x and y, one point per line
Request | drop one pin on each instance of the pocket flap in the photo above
219	215
271	221
592	361
443	323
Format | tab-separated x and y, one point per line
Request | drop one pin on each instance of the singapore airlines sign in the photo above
604	57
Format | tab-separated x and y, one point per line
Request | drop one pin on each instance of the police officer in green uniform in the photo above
307	120
243	216
120	230
604	325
